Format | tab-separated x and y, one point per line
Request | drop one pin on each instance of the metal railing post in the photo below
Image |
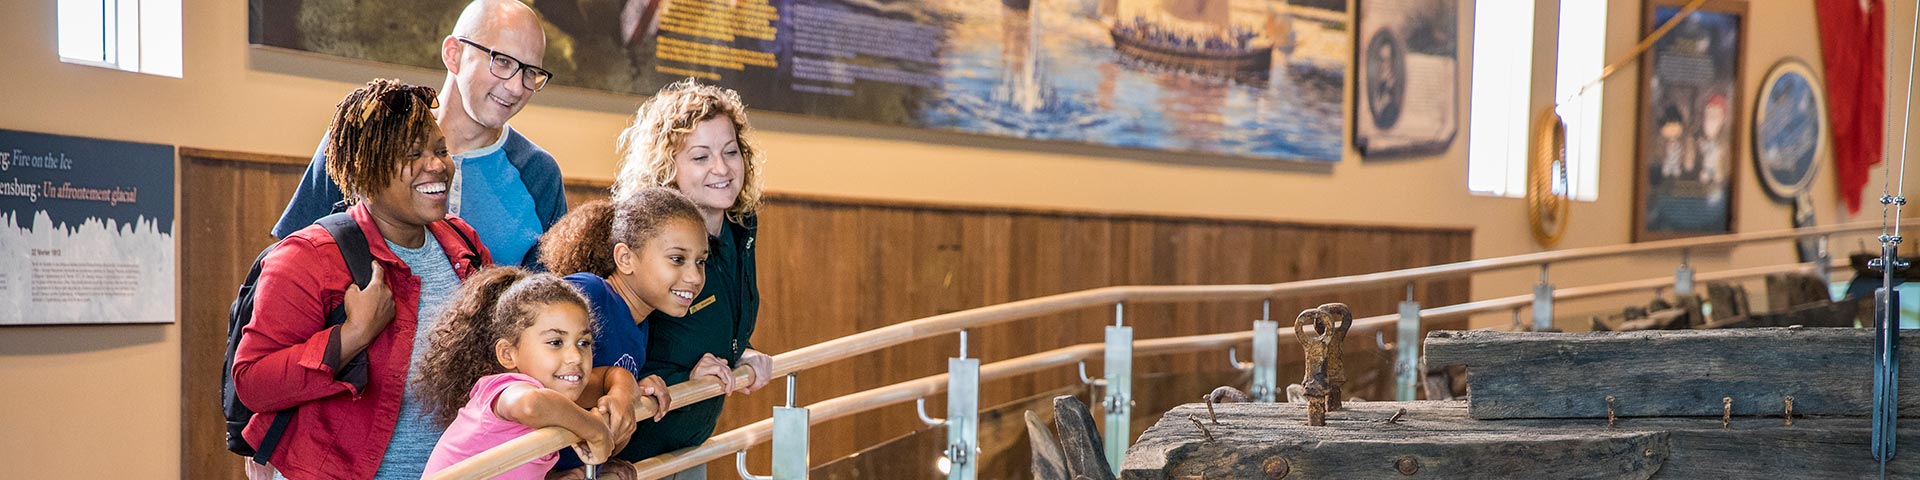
1683	276
1543	303
963	411
1823	265
789	442
1119	401
1266	355
1407	348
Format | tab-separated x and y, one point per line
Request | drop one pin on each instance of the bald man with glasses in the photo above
505	186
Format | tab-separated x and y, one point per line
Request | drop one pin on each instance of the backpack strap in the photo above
274	431
271	441
472	251
359	259
353	246
358	255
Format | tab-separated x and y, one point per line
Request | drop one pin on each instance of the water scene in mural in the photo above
1248	78
1239	78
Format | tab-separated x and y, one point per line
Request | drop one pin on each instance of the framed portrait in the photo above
1689	101
1407	89
1790	129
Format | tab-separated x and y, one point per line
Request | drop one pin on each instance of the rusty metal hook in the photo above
1340	319
1610	417
1789	410
1726	411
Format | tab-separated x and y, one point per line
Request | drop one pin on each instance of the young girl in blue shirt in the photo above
646	253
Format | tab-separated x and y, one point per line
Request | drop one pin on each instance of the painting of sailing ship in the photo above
1250	78
1257	79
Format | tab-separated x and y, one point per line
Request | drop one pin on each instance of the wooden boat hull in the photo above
1258	60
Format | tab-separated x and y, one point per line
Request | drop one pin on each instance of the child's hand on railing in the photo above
596	442
712	366
655	388
762	366
619	416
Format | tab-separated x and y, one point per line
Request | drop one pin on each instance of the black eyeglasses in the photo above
505	67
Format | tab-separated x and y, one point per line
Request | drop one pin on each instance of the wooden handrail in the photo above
842	348
838	407
513	453
1573	293
747	436
845	347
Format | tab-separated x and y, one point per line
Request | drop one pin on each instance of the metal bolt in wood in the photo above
1276	467
1407	465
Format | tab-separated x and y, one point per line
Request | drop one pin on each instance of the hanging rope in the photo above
1548	192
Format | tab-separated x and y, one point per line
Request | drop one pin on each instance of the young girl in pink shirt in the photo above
512	355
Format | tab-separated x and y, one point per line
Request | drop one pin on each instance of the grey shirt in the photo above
415	434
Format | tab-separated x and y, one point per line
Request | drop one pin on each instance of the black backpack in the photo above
353	248
359	259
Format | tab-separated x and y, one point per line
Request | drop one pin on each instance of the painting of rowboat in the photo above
1257	79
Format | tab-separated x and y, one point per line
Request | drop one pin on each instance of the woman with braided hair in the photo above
345	385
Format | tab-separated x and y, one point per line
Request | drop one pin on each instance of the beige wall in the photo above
104	400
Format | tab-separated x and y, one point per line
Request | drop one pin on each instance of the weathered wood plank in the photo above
1079	439
1049	460
1439	440
1827	371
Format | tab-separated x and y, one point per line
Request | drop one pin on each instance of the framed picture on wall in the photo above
1689	104
1789	129
1261	79
86	231
1407	89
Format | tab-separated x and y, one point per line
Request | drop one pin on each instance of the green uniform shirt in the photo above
721	323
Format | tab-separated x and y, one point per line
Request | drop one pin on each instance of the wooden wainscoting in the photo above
852	265
830	267
228	205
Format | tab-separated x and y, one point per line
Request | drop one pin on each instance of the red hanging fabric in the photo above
1852	42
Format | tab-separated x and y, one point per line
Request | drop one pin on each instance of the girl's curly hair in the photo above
496	303
373	130
660	128
583	240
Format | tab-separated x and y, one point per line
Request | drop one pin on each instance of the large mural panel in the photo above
1249	78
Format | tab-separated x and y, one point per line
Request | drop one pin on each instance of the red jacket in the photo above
342	427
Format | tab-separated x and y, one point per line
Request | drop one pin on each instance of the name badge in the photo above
702	304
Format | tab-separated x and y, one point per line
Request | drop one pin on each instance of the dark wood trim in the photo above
242	157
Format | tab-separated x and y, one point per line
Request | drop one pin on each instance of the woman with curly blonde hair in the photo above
695	138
